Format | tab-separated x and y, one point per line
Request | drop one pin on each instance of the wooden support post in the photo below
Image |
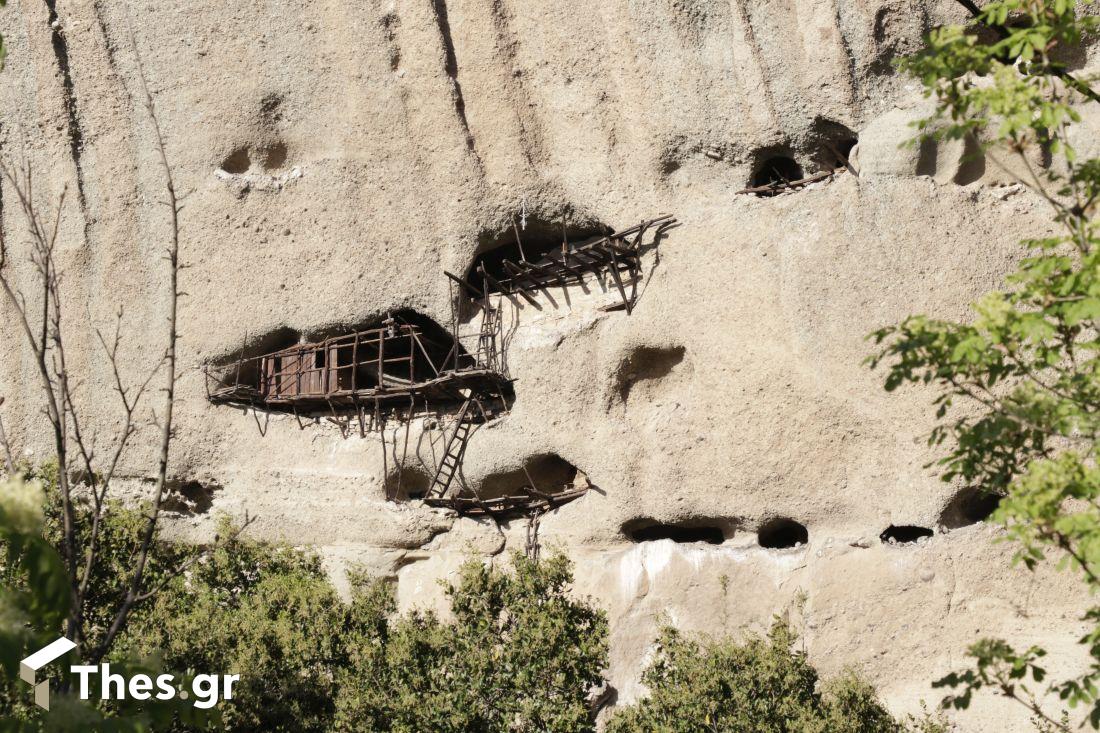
500	286
518	242
528	274
381	363
467	286
592	261
619	282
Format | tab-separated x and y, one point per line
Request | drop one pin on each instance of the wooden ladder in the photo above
487	338
452	457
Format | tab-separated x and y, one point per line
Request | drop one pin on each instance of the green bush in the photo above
34	601
515	654
520	655
758	686
265	612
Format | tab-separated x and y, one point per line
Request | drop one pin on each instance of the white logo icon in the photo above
29	666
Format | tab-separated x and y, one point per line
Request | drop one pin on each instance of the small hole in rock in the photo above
844	147
972	162
927	157
830	143
778	169
650	530
188	497
237	162
970	506
904	534
647	363
407	483
274	156
782	533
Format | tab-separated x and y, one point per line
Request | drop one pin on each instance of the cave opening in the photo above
287	362
776	170
647	364
407	483
547	473
969	506
243	365
647	529
782	533
843	151
831	143
543	482
189	497
500	252
903	534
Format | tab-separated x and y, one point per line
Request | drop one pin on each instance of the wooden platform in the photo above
527	503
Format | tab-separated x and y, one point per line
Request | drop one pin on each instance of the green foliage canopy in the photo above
761	685
1018	384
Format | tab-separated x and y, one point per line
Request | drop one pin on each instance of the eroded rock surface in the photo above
337	157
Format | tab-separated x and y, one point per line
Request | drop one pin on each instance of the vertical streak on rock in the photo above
451	66
532	144
97	12
746	52
68	99
850	58
825	57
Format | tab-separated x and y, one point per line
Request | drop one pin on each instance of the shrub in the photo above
760	685
520	655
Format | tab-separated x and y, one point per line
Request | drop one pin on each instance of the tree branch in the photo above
134	591
182	567
9	465
42	256
1070	80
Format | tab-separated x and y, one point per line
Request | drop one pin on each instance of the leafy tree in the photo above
759	686
268	613
520	655
34	603
1018	384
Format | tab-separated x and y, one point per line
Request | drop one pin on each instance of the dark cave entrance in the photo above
500	252
969	506
904	534
776	170
782	534
709	531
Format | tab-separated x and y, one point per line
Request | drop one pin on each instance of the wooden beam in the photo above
507	291
470	288
619	282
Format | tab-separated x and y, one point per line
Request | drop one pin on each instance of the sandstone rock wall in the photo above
337	157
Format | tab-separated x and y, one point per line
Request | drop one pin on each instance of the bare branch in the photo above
182	567
42	255
9	465
129	429
134	592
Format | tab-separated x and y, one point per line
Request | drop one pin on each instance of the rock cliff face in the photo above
337	157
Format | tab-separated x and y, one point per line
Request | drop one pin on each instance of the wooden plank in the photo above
619	282
500	286
775	188
470	288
